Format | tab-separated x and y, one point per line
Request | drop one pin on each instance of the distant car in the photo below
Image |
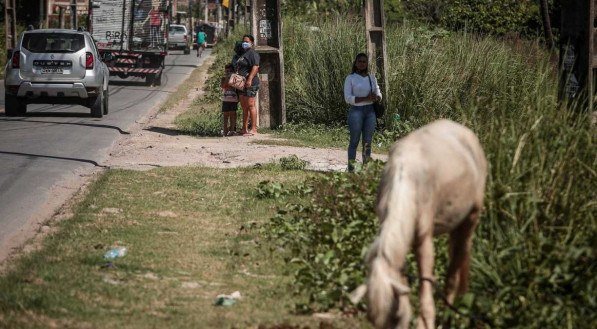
178	38
55	66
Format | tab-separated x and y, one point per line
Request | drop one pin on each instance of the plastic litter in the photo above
115	252
227	300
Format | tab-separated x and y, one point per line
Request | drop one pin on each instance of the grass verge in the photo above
191	234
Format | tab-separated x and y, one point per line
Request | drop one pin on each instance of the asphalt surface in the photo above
54	144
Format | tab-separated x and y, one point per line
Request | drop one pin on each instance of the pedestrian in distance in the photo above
247	65
201	42
360	92
229	103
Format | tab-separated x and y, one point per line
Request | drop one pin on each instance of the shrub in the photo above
325	236
484	16
293	162
533	252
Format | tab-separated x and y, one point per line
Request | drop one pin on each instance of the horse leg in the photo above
460	249
425	259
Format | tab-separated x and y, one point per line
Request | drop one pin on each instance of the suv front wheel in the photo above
13	106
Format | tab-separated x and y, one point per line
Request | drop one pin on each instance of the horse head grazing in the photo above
433	183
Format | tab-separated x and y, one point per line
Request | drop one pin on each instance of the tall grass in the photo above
430	72
534	251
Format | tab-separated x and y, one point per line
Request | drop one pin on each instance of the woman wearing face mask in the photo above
360	91
247	65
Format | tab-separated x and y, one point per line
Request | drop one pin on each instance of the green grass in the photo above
191	234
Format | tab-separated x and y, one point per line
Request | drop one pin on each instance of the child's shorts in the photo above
229	106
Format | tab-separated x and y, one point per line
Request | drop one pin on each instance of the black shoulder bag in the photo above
377	106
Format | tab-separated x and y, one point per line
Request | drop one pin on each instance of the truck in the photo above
132	36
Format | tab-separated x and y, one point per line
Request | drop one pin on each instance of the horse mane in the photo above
396	209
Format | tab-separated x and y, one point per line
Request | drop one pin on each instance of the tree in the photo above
546	24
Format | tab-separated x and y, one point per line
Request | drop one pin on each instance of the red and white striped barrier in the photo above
135	70
126	60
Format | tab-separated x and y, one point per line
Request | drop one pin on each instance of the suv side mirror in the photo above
8	54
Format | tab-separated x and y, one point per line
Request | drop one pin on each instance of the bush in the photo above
325	236
533	257
484	16
533	252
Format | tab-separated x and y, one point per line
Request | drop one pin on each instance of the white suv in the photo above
178	38
54	66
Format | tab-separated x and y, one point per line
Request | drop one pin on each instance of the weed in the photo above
292	162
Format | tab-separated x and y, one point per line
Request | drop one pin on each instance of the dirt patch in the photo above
154	142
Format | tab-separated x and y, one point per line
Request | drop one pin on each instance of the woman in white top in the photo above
360	91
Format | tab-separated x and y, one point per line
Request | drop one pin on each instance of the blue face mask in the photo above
246	45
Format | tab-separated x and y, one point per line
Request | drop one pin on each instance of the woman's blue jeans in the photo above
361	122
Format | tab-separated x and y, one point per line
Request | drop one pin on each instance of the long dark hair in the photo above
354	64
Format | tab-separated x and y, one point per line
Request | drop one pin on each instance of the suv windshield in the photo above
53	42
177	29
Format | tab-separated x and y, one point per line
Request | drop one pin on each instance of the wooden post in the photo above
376	42
10	25
266	26
592	27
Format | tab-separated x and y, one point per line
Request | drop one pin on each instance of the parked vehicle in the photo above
133	35
178	38
54	66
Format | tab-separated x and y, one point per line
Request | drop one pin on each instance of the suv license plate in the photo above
52	70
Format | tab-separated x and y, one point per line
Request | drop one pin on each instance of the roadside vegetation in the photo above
534	259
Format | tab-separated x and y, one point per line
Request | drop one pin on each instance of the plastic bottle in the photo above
115	252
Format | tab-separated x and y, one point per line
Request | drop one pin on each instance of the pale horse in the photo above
433	183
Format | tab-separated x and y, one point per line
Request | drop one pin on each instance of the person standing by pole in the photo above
360	91
248	66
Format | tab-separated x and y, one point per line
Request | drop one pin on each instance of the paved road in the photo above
54	144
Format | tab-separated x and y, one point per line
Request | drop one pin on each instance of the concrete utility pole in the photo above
191	25
73	14
10	24
376	41
206	12
577	52
266	26
61	11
